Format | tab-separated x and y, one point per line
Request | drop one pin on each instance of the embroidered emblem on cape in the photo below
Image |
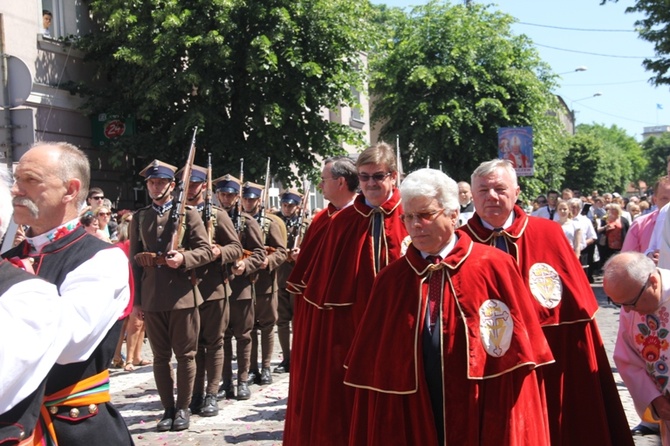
652	343
545	285
405	244
495	327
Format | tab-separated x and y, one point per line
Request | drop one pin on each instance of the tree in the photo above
255	76
656	151
447	77
654	28
603	159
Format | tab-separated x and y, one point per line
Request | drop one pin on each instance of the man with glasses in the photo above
361	240
632	280
448	338
582	397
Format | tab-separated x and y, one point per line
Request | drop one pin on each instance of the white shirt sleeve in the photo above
655	241
95	295
30	321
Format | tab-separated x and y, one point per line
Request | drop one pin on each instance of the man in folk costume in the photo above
51	183
633	281
582	397
458	339
361	240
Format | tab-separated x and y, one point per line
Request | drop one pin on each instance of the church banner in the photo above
515	144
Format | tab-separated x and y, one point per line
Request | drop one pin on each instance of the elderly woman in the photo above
615	228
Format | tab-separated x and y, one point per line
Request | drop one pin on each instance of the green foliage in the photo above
255	76
445	78
604	159
656	151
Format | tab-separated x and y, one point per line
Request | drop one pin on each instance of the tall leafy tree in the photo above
447	77
656	151
603	158
255	75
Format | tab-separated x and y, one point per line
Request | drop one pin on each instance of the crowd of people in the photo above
445	310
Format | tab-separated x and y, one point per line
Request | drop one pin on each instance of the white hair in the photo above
431	183
6	208
488	167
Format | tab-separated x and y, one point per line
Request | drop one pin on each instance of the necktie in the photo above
500	239
377	221
434	290
551	213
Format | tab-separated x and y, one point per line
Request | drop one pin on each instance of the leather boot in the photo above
165	424
182	420
226	390
196	404
266	376
254	377
243	392
210	408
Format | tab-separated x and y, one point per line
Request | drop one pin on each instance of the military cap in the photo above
252	190
291	196
227	183
158	169
198	174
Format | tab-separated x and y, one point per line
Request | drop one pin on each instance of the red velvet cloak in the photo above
582	398
338	281
489	398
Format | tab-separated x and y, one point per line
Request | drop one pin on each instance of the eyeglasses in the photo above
423	216
639	295
104	213
98	198
379	176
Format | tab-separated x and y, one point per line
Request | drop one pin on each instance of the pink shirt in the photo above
639	234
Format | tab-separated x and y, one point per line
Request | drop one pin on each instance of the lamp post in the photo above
572	110
576	70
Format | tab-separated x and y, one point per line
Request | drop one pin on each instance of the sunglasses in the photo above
98	198
379	176
104	213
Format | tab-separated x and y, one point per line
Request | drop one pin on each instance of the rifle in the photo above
266	194
208	201
302	213
179	215
238	208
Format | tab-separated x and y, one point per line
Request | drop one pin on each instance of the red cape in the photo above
582	397
339	280
479	387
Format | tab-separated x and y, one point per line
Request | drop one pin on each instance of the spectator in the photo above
47	18
614	229
572	230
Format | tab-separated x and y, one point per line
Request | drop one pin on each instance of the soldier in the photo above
265	287
215	289
290	215
241	298
166	289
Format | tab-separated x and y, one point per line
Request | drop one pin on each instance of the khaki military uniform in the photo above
169	298
274	232
214	312
241	303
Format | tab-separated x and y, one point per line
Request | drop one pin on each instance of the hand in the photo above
654	256
239	267
265	263
217	251
174	259
661	406
295	252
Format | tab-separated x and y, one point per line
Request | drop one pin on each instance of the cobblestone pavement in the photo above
259	420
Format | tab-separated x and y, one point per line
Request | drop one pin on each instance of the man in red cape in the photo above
337	285
582	397
457	341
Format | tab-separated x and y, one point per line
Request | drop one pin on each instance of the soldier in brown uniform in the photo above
274	239
241	298
166	290
215	289
290	215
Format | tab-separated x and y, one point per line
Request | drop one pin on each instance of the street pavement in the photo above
259	420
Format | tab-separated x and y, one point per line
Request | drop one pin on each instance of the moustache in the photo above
27	203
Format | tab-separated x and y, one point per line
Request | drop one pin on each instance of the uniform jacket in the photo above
251	238
162	288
